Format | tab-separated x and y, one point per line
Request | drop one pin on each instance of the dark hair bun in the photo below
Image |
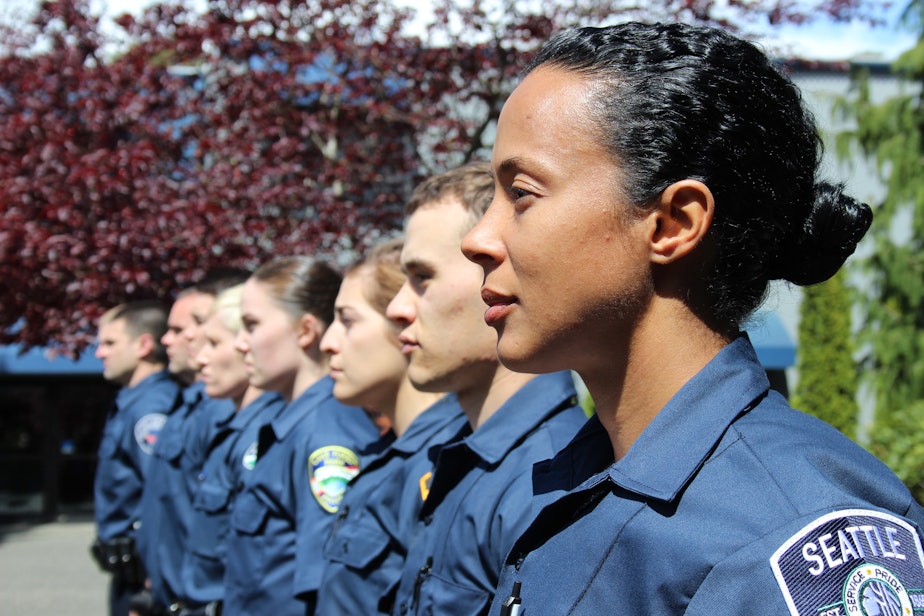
830	234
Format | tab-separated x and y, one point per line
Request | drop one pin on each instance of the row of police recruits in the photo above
647	182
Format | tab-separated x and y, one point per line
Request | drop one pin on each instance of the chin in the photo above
529	361
424	381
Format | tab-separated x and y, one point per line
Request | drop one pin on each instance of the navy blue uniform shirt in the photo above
478	501
730	502
306	456
131	430
232	454
365	551
168	495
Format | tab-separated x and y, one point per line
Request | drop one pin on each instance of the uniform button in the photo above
428	519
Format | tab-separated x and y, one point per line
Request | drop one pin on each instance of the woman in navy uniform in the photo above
365	551
650	181
305	457
231	454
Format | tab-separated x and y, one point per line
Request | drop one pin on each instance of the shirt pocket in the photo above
357	545
249	514
211	520
248	546
442	597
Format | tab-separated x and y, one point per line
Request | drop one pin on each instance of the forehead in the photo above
182	308
201	304
547	118
433	235
352	289
215	323
113	329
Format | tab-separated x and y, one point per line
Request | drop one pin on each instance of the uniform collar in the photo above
243	417
530	406
683	434
310	399
436	417
129	395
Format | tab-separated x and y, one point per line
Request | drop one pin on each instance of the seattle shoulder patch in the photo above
855	561
330	469
249	459
147	429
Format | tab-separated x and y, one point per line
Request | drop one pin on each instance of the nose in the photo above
242	342
482	244
330	340
402	307
202	357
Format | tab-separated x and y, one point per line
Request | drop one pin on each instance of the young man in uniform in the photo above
133	357
474	497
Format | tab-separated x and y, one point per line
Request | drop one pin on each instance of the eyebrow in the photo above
508	165
417	265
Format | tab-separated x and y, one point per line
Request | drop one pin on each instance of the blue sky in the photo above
825	40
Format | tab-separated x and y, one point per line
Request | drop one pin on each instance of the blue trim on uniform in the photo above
367	545
479	499
688	520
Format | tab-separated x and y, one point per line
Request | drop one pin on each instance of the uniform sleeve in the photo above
830	563
740	585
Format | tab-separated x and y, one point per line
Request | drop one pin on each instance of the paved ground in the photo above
46	570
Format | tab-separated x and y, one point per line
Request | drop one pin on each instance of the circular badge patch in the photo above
875	591
249	459
330	469
147	429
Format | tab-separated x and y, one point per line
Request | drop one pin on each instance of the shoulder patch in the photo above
147	429
249	459
854	561
330	469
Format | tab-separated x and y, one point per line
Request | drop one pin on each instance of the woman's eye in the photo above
517	193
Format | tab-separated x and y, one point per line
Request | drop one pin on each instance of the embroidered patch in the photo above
854	561
147	429
425	480
249	459
330	470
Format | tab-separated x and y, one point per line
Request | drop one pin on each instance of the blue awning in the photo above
775	349
38	361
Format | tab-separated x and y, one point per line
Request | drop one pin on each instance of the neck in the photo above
143	371
480	402
409	404
666	349
309	373
250	394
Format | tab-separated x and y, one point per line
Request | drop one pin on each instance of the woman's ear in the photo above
682	218
309	330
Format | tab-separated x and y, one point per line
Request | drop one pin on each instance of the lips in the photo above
407	344
499	306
